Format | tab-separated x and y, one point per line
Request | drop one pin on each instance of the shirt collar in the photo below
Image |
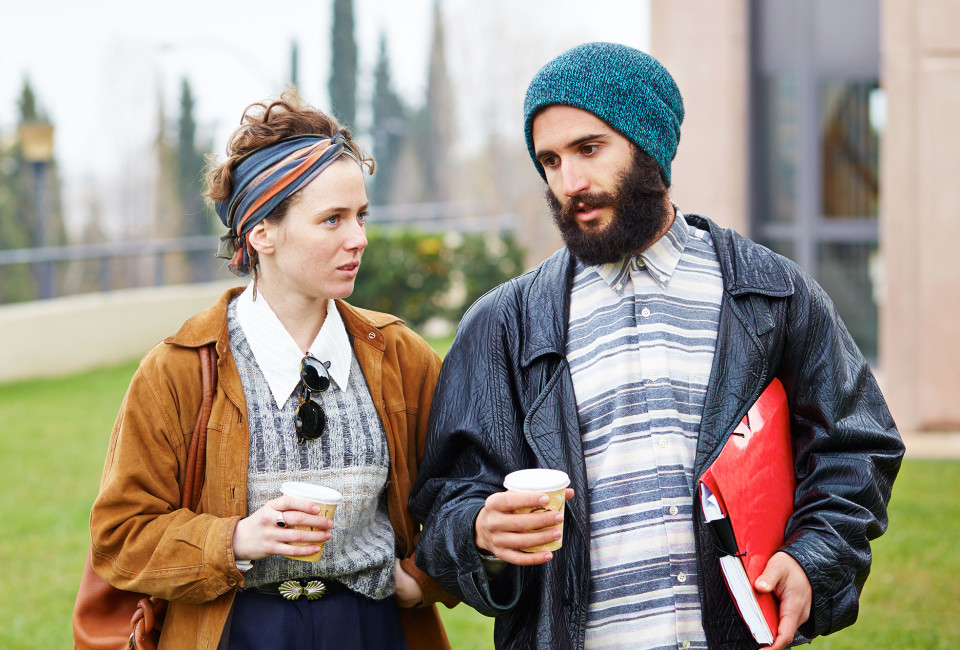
659	260
278	355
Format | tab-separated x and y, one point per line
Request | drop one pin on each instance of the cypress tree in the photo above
195	218
389	128
437	119
343	74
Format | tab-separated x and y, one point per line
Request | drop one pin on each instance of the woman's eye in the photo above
334	220
362	217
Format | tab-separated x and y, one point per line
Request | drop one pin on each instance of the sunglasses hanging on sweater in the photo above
310	420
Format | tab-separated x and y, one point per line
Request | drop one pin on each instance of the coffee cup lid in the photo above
536	480
317	493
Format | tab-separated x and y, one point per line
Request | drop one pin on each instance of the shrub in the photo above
422	276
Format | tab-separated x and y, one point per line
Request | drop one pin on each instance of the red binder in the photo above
753	484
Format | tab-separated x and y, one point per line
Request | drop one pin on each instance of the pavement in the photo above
929	445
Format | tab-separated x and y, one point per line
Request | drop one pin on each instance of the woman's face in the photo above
315	250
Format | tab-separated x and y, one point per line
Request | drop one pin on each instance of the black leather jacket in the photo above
505	401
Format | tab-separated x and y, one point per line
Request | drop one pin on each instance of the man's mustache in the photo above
589	201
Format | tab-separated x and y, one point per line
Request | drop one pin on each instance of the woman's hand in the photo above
408	593
258	536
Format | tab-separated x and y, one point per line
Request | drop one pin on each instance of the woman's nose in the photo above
357	239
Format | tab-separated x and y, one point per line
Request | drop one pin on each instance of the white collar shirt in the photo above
279	356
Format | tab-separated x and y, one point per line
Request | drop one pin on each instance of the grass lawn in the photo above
53	436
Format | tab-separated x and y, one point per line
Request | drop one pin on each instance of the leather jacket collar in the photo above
746	269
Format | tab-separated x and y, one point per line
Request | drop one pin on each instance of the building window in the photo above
819	115
849	149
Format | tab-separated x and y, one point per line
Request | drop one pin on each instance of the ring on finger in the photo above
281	522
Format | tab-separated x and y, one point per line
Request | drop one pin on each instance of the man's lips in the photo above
587	213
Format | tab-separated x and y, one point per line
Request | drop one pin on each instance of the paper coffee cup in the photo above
551	482
327	498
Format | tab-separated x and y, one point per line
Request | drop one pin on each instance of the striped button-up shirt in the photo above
641	341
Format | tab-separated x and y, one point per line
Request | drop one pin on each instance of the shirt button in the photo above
645	312
663	443
685	645
674	510
372	335
681	577
663	278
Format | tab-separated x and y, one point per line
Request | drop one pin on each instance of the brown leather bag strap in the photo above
196	455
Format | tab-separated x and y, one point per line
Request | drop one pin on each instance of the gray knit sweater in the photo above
351	456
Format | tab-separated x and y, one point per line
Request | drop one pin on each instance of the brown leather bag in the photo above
107	618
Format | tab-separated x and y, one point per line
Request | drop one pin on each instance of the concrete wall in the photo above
920	213
66	335
705	45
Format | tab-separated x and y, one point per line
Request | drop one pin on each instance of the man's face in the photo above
606	195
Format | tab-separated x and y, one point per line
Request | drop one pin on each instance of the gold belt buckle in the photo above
293	589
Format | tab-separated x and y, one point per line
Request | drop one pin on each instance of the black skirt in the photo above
343	620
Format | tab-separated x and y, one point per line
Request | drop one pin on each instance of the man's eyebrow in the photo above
574	143
588	138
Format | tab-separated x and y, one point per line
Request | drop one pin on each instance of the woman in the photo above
309	389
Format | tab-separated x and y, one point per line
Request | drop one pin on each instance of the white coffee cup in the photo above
328	500
551	482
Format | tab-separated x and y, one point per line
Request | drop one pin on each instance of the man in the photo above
627	359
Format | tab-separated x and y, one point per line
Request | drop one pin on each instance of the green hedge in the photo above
421	276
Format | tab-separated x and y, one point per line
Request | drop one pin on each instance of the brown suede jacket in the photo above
143	541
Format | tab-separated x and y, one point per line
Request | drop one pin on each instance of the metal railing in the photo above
153	254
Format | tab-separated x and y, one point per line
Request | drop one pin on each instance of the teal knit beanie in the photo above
626	88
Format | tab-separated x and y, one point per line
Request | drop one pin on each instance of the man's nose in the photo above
574	180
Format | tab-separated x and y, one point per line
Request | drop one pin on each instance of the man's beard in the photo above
640	213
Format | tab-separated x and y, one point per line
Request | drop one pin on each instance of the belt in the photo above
295	589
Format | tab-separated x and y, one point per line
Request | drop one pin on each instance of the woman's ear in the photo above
261	237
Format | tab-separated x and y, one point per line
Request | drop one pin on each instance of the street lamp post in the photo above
36	142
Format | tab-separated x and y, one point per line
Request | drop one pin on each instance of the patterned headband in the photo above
262	179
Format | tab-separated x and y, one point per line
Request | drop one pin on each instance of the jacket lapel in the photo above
551	426
752	275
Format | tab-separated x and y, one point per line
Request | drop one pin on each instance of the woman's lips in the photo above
350	270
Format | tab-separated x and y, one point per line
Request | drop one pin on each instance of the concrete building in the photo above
787	105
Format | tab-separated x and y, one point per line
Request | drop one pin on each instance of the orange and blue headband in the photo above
263	178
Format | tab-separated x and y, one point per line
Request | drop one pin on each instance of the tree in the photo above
27	103
294	64
16	281
189	165
343	74
195	217
436	123
389	127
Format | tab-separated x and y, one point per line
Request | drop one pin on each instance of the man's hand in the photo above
788	582
501	531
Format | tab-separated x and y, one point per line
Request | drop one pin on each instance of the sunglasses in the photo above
310	420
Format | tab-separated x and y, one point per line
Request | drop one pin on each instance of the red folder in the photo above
753	482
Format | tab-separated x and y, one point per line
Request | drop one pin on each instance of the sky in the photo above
98	68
